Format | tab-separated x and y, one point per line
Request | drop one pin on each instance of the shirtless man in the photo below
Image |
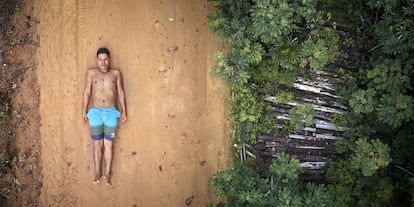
103	89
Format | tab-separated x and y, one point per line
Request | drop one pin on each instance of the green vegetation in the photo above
360	179
273	41
280	186
300	117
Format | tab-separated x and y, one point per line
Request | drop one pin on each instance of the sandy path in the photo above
176	136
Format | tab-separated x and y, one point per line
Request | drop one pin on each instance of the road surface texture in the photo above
177	133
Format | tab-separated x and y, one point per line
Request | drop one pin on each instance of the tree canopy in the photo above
271	42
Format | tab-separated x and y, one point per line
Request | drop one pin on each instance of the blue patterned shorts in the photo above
103	122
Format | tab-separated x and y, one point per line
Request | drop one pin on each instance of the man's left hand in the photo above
123	117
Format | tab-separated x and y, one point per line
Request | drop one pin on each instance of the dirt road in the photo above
177	134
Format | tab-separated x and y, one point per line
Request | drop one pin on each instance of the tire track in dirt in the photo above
60	168
82	33
69	178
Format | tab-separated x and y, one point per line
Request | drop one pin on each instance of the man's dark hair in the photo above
103	50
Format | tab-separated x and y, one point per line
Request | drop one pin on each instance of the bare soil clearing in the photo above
176	136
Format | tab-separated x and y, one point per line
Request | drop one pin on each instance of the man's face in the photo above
103	61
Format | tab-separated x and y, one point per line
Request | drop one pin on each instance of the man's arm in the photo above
121	96
87	93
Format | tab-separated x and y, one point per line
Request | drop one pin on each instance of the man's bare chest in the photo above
104	81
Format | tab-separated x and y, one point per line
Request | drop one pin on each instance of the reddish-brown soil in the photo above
177	134
20	140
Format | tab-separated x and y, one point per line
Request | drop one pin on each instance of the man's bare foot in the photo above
96	180
107	179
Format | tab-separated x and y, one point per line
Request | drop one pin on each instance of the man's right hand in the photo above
84	117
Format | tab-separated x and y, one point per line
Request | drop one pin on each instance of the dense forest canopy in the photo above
271	42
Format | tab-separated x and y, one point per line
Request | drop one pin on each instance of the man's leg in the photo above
97	155
96	124
108	145
110	126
